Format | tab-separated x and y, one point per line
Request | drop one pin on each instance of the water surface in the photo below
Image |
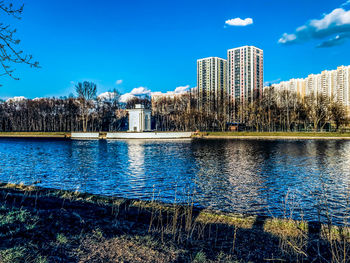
279	177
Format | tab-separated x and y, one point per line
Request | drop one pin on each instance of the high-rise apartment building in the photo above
212	84
343	85
245	73
331	83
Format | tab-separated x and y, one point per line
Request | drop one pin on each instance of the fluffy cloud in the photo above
119	81
239	22
142	92
126	97
181	89
178	90
16	99
106	95
336	22
136	92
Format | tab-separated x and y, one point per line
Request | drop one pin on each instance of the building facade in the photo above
245	73
139	119
211	84
331	83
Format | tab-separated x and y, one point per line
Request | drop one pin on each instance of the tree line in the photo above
83	112
274	111
284	110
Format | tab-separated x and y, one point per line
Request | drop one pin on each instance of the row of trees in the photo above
274	111
85	112
287	111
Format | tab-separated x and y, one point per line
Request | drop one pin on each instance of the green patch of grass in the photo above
14	216
41	259
200	257
61	239
208	217
285	227
13	255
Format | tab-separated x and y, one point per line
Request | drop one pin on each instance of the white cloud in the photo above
178	91
16	99
142	91
119	81
136	92
106	95
181	89
336	22
239	22
126	97
286	38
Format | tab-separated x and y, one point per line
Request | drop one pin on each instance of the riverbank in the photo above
47	225
275	135
35	134
204	135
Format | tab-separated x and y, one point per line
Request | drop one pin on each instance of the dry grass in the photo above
125	249
46	224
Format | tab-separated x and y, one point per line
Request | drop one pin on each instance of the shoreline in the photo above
274	135
34	135
58	225
264	137
206	135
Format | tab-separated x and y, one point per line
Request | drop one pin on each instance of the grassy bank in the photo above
35	134
300	135
45	225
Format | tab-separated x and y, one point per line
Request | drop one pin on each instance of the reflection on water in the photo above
247	176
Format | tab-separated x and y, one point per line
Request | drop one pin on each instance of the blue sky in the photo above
155	44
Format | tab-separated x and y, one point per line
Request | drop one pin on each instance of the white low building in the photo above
139	119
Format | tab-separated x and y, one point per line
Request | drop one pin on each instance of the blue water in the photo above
278	178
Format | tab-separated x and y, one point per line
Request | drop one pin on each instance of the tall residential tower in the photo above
245	74
212	84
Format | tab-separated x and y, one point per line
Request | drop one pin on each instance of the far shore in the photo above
210	135
35	134
275	135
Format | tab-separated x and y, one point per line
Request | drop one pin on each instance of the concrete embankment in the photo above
131	135
148	135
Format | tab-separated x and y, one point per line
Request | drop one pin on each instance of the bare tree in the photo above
86	94
9	53
338	113
317	108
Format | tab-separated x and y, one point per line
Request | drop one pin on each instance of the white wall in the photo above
148	135
85	135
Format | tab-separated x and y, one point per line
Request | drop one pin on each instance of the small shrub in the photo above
13	255
200	258
41	259
61	239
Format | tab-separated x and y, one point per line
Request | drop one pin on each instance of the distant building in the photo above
139	119
211	84
245	73
331	83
